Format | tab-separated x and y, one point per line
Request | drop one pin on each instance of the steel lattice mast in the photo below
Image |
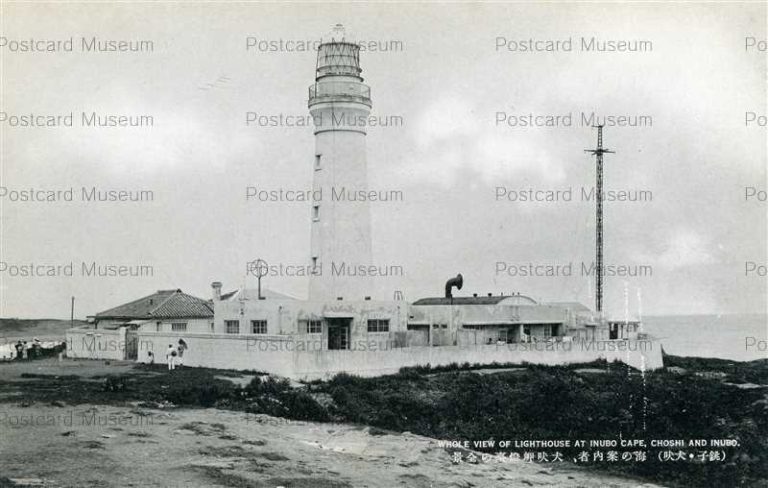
598	153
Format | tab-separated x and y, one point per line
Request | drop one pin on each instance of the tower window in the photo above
316	212
317	161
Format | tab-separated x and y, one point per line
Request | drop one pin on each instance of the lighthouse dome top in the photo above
337	55
337	34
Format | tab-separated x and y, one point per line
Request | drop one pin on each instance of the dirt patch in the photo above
307	483
255	443
590	371
416	480
241	381
185	445
218	476
273	456
203	428
138	434
91	445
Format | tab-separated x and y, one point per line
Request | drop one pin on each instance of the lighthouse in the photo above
339	103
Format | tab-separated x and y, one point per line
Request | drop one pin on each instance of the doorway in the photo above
338	333
131	345
613	331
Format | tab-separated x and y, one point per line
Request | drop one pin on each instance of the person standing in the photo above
19	347
24	350
181	347
170	355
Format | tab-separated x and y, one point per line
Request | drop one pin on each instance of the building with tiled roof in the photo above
160	311
115	332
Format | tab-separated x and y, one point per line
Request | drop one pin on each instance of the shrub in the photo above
114	383
302	406
268	386
276	398
203	394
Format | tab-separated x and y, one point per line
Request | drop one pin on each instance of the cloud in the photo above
451	143
685	248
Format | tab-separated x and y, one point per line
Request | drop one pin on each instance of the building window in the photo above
311	326
316	212
317	161
179	327
378	325
233	326
258	326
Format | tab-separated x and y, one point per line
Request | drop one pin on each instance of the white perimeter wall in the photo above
268	354
96	343
325	364
303	357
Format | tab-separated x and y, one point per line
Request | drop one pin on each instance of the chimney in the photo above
216	285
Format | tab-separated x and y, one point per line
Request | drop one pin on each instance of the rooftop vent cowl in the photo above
458	282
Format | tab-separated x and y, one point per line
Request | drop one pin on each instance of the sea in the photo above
740	337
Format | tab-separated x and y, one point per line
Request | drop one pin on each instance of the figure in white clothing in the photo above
181	348
170	355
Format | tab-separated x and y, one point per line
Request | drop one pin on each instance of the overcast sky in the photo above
456	73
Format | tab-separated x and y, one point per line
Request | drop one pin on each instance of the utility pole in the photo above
598	153
72	313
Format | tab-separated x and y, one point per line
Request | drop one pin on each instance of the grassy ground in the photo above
690	399
700	400
84	428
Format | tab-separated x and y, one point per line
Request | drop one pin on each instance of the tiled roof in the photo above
163	304
182	305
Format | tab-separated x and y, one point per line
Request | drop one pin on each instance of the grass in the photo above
453	402
558	402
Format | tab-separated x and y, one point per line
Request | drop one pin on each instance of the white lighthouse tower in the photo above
339	103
